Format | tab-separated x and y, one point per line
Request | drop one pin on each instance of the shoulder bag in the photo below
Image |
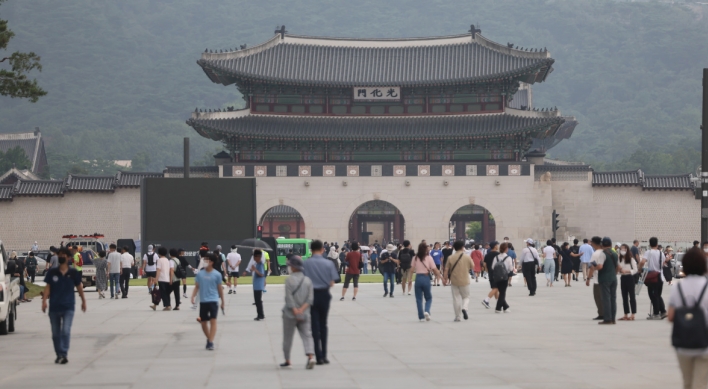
300	317
449	273
653	276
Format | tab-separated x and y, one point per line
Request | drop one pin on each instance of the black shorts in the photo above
208	311
152	274
437	266
350	277
491	281
233	274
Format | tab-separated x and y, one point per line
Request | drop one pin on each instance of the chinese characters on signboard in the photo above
377	93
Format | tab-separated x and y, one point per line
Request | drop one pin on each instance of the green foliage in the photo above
14	82
474	230
123	75
14	157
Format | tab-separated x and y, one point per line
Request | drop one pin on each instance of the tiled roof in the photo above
39	188
668	182
192	169
227	124
562	168
306	60
617	178
647	182
90	183
281	211
6	192
133	179
31	143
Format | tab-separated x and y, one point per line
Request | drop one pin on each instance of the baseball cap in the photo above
295	262
218	247
606	242
529	241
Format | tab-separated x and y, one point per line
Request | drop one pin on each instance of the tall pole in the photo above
704	161
186	157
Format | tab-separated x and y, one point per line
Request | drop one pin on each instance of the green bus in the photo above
299	247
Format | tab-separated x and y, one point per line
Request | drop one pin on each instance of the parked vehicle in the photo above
299	247
9	294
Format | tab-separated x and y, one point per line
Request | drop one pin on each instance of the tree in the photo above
14	82
14	157
474	230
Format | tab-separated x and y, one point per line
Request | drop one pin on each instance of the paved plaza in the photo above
547	341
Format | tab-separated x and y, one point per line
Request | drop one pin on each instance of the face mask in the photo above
62	260
705	249
506	240
623	252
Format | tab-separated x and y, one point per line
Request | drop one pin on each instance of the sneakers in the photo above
507	310
654	317
353	298
457	319
310	364
409	293
422	320
385	294
167	308
486	304
464	314
210	346
427	316
231	291
285	365
194	306
496	311
664	315
63	361
391	295
341	299
184	295
153	307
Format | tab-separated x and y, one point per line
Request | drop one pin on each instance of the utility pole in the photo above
704	161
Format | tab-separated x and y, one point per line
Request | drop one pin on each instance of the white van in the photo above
9	294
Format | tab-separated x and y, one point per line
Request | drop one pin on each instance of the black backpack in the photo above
690	324
179	270
151	259
499	273
405	258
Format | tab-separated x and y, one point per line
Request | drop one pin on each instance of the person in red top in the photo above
477	258
353	259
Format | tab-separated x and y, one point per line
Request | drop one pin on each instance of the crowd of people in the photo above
308	297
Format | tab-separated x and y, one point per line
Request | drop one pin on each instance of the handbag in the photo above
653	276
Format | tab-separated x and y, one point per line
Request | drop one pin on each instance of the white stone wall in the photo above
625	213
521	207
46	219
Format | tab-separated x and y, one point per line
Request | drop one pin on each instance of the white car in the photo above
9	294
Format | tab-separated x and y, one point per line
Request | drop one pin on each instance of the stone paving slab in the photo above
547	341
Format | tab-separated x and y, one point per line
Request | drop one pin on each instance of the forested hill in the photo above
122	77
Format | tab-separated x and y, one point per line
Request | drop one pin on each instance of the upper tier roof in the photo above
221	125
317	61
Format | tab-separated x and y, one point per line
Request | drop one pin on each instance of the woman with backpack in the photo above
688	310
423	264
502	265
628	268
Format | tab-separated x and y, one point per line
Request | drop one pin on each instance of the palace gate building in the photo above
384	139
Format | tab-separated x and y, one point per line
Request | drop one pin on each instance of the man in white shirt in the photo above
165	270
126	263
114	269
150	267
233	261
530	262
597	257
653	259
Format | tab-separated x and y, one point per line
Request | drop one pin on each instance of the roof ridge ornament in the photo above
474	30
281	30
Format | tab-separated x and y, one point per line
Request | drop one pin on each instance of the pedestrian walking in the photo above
299	297
488	259
207	284
59	290
549	262
258	272
184	264
126	262
653	259
586	252
529	265
556	259
101	274
164	274
596	245
342	257
31	268
566	263
436	253
477	260
575	259
423	264
233	263
177	274
374	260
20	273
114	268
52	259
502	266
150	267
354	264
688	311
606	266
322	274
388	261
457	276
446	252
405	259
628	268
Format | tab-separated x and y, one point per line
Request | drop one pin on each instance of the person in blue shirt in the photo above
586	251
436	253
258	271
374	259
208	284
60	283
